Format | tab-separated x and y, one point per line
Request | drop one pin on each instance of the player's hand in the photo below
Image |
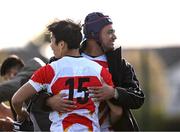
58	103
103	93
6	124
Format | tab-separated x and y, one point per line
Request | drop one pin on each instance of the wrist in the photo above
116	95
22	115
20	112
48	101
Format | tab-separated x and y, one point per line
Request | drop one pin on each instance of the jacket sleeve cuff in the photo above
119	96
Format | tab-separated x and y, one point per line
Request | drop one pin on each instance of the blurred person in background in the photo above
15	73
9	68
99	47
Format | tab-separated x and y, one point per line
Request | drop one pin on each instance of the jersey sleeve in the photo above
106	76
41	77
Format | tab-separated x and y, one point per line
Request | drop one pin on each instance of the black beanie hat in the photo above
93	24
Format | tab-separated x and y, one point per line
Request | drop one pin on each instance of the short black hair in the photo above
10	62
67	31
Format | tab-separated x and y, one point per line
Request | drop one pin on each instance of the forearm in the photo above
131	98
21	112
126	83
17	105
25	92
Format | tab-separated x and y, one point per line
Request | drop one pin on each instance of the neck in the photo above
73	52
93	48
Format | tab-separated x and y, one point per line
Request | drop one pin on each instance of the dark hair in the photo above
67	31
93	24
10	62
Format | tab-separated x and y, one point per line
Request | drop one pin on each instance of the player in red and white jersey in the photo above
71	75
103	109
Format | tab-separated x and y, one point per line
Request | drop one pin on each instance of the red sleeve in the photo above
107	77
43	75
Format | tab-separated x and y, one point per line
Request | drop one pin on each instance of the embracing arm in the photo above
25	92
124	78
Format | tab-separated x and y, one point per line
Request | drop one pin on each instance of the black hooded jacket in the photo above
127	85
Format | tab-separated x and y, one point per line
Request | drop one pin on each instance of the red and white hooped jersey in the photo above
73	75
103	108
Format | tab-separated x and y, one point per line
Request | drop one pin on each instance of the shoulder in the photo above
116	51
90	62
59	62
125	63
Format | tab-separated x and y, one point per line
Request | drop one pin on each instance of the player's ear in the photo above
62	44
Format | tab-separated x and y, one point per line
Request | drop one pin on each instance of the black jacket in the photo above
127	85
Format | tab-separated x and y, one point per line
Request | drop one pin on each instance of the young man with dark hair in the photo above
99	47
71	75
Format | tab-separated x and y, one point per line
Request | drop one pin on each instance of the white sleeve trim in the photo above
36	86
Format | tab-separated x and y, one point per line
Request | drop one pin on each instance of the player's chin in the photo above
111	47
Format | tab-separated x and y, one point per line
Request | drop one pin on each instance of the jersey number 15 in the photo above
70	82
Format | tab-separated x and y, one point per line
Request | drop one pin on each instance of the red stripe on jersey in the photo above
107	77
89	105
64	83
102	63
43	75
73	119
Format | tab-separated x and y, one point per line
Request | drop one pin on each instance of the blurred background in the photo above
147	30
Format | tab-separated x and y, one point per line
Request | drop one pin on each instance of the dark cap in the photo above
93	24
